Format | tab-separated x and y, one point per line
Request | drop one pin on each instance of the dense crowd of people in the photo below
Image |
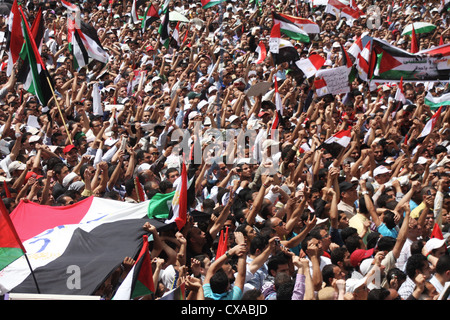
303	222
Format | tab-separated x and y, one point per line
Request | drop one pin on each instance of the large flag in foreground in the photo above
89	239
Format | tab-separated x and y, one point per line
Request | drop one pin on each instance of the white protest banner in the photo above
336	79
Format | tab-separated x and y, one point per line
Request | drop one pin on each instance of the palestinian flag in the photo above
11	248
395	63
306	25
210	3
139	281
262	53
150	16
430	125
37	80
14	37
164	30
94	234
24	75
289	28
437	102
311	65
339	9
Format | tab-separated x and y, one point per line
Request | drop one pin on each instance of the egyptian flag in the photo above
274	40
262	52
399	97
337	142
175	41
139	281
278	111
37	79
311	65
399	94
363	62
94	234
430	125
320	86
150	16
356	47
337	8
14	37
342	137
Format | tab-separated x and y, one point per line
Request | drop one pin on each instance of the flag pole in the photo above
32	273
59	109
